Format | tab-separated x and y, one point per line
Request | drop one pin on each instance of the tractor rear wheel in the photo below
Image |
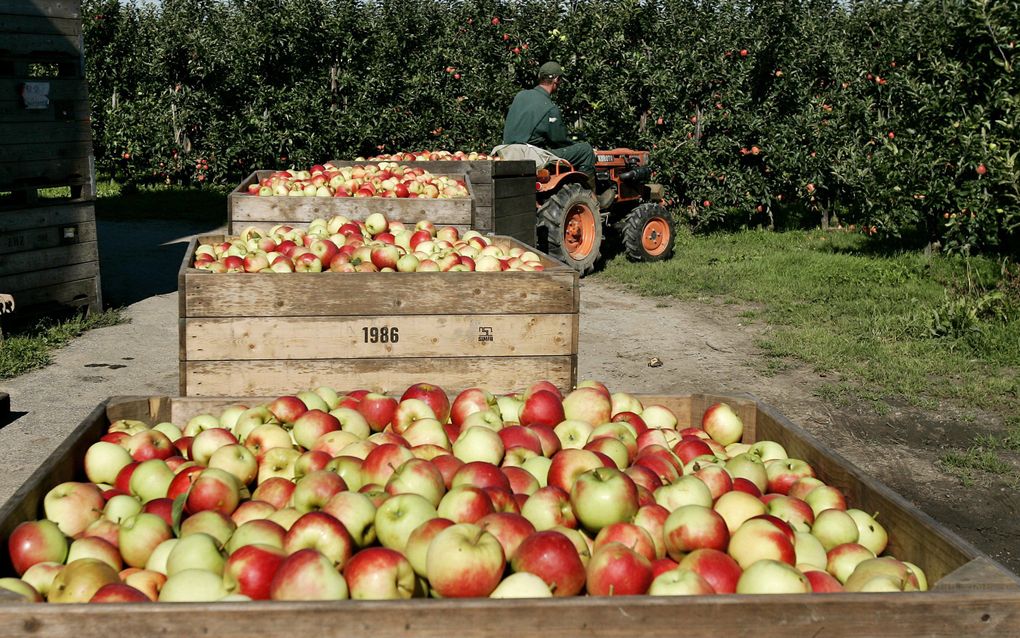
648	233
571	227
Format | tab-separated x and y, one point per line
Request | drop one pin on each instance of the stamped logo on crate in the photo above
485	334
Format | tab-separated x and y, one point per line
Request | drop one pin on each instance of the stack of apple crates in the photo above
258	336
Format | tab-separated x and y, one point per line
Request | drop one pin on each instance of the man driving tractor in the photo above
579	191
535	119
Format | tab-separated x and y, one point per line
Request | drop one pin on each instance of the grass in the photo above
894	325
32	348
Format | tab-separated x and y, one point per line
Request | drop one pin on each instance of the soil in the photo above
703	346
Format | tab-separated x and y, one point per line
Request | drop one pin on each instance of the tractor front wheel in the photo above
648	233
570	227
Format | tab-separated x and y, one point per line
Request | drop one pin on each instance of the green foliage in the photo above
898	119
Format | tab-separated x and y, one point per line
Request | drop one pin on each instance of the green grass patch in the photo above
115	201
893	324
31	348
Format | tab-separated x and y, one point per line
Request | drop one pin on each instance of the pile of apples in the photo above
431	156
376	244
382	179
318	496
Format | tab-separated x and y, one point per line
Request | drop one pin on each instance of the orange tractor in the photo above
572	220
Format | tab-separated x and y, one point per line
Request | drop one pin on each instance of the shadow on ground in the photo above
139	259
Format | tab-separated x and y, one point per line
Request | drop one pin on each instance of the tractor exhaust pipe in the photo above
638	175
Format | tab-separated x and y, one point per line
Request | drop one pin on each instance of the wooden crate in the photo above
971	595
48	251
46	143
49	258
250	210
249	335
503	194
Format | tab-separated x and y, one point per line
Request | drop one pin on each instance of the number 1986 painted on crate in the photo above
383	334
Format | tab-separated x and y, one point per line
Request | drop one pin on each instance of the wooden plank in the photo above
481	218
506	188
57	215
340	338
12	133
75	294
45	237
44	173
41	47
38	24
777	616
258	378
248	209
48	277
482	194
76	152
343	294
522	227
51	8
979	574
15	263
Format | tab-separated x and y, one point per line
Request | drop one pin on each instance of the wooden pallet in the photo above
971	594
260	334
503	194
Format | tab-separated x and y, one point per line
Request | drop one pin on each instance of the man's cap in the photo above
550	69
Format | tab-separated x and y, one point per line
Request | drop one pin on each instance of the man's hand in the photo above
6	304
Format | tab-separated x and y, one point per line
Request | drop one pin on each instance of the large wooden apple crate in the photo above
48	250
250	210
257	334
971	595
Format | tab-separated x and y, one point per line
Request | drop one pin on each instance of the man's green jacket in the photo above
534	119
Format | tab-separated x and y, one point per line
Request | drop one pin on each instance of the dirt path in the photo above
703	347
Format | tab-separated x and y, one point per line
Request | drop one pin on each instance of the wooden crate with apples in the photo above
48	251
503	193
252	334
251	210
969	594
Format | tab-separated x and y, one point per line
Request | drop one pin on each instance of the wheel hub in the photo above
655	238
579	231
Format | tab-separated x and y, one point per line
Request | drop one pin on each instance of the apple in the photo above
782	473
79	580
631	535
521	585
95	547
34	542
261	531
679	582
792	510
603	496
378	410
568	464
587	404
379	573
521	481
313	424
825	497
548	507
380	464
418	476
659	417
769	576
197	551
118	593
276	491
465	504
399	515
208	441
750	467
479	443
821	582
103	460
250	570
842	560
237	460
616	570
869	532
213	489
322	532
470	401
151	480
759	539
73	506
686	490
193	585
464	561
692	527
834	527
312	491
542	407
40	576
552	557
722	423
